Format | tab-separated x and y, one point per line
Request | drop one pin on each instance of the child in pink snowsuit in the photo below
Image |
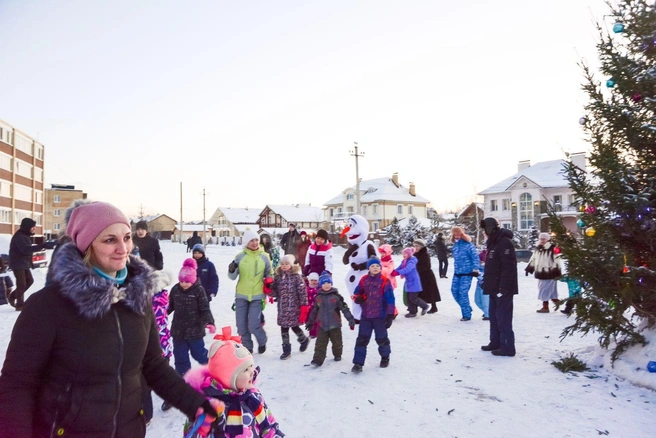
312	291
387	262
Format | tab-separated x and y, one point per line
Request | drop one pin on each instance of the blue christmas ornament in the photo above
651	366
610	83
580	223
618	27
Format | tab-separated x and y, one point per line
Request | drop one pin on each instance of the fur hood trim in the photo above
92	294
296	269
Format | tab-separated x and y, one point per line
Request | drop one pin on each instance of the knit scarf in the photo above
234	402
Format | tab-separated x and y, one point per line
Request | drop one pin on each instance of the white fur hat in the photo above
163	279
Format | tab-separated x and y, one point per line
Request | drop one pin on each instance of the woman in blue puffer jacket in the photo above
465	267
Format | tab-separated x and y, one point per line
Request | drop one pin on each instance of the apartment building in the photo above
21	179
57	200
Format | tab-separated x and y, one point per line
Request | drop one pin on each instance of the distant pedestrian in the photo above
271	249
302	245
289	240
20	261
195	239
6	285
442	255
465	267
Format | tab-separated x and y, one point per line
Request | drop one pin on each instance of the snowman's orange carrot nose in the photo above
344	231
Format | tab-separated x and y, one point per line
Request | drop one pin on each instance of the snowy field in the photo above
439	383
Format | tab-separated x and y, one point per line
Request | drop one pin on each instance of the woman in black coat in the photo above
85	346
430	293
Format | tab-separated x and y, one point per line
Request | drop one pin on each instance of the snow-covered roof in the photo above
243	227
545	174
241	215
380	189
298	213
193	227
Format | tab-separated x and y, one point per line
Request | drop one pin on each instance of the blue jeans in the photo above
367	326
248	322
460	290
181	350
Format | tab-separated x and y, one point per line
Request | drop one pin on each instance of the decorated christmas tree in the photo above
393	236
613	254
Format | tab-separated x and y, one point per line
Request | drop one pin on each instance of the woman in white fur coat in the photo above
545	264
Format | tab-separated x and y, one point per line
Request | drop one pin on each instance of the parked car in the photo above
50	244
38	259
523	255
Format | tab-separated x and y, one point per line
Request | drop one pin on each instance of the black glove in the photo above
360	298
232	267
526	273
388	320
308	326
475	273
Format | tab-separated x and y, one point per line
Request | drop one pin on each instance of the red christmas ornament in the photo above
637	97
590	209
625	269
556	250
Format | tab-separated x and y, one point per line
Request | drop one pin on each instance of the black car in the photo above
50	244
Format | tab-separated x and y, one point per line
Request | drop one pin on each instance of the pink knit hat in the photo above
409	251
87	220
188	272
227	358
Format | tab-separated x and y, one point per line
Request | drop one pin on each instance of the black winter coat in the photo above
430	292
149	251
21	250
192	311
77	364
440	248
500	264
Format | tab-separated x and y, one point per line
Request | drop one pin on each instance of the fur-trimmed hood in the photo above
296	269
92	294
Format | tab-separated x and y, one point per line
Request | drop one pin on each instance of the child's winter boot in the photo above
286	351
305	341
545	307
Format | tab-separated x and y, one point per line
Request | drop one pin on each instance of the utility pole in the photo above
204	241
354	153
181	223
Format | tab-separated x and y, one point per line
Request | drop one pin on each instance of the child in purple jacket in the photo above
412	286
375	295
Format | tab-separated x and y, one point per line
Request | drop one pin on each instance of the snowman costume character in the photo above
357	254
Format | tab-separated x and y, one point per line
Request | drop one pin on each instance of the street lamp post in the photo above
356	154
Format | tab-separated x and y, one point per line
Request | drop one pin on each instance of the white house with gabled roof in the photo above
519	202
381	200
231	222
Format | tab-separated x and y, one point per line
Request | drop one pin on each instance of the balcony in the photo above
341	216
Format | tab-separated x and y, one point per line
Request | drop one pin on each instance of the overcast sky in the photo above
259	102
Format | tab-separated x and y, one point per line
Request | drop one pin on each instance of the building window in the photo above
349	209
505	204
571	200
494	205
506	225
375	226
339	210
23	144
350	196
23	169
375	208
5	162
39	152
364	210
410	209
56	199
56	213
38	174
558	199
399	209
23	193
38	197
5	189
525	211
5	216
331	212
56	227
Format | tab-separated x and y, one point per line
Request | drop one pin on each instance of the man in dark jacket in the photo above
148	246
290	240
195	239
500	284
20	260
442	254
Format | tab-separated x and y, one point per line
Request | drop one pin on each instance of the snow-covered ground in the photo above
439	382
